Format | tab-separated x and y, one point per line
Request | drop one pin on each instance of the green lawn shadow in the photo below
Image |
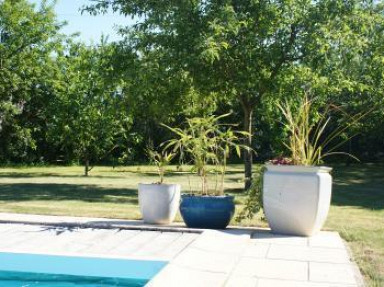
56	192
50	175
360	186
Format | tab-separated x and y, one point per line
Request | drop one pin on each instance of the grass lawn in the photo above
357	210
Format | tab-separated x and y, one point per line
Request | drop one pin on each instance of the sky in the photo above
90	27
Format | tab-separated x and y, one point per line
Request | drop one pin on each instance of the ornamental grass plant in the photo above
161	159
311	139
206	143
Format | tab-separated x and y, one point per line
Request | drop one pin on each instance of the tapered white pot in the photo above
159	203
296	198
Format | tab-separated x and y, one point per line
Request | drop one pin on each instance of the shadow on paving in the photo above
87	193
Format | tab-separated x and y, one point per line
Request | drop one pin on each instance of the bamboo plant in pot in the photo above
159	202
207	144
297	192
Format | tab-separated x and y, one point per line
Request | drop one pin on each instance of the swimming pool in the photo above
17	269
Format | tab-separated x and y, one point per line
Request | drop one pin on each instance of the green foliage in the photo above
254	201
161	159
309	142
206	141
88	117
251	53
186	59
28	37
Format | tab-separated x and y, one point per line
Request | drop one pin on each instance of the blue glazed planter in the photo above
212	212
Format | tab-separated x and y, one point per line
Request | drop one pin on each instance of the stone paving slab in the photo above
308	254
332	273
235	257
262	259
177	276
274	269
289	283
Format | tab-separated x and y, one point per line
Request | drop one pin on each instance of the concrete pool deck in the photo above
234	257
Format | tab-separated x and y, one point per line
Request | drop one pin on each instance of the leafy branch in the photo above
161	160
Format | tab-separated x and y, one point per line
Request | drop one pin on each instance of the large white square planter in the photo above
159	203
296	198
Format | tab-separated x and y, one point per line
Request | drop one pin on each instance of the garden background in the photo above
67	103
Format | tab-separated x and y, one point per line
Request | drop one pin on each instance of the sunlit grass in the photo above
357	210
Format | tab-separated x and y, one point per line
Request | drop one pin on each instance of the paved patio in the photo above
235	257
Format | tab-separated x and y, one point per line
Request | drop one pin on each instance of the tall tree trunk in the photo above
248	154
86	167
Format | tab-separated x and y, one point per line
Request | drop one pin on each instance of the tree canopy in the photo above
27	39
62	101
247	51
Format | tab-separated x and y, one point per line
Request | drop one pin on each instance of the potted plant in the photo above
297	191
206	144
159	202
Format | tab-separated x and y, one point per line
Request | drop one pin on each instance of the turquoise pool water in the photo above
24	270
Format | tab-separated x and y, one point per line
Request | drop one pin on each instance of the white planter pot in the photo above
159	203
296	198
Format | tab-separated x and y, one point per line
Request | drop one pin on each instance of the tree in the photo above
88	115
153	93
28	37
238	49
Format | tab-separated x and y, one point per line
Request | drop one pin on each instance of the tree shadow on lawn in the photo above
119	174
358	195
49	174
359	186
87	193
